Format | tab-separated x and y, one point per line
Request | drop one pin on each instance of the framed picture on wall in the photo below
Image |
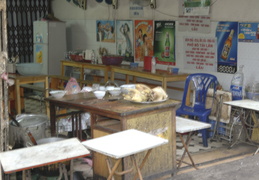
105	31
124	39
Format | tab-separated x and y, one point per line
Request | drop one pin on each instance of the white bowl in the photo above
99	94
57	93
29	68
125	87
115	91
110	88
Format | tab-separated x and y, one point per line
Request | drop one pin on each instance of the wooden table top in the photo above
87	101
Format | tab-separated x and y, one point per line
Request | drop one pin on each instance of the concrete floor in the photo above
207	159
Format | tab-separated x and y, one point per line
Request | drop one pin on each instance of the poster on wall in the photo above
248	32
143	42
226	34
200	53
135	10
198	24
124	39
105	31
164	42
196	7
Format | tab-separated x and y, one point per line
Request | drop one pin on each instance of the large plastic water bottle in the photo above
153	66
237	86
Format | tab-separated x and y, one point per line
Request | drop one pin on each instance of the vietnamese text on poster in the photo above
164	42
226	34
248	32
200	53
124	39
143	39
196	7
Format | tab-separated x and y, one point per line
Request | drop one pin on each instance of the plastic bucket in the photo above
147	63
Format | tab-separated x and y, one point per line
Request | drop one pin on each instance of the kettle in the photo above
89	54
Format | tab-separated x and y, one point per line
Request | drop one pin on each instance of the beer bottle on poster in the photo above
257	32
227	46
167	46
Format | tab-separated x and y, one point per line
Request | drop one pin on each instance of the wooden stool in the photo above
125	144
189	127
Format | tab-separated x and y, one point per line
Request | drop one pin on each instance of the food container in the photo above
112	60
147	63
29	68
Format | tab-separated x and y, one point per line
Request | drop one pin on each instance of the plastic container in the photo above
147	63
153	66
236	87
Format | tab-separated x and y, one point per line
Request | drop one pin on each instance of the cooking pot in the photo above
36	124
53	169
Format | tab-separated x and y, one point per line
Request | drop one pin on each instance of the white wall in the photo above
81	27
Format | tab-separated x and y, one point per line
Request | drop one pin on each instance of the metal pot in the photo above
36	124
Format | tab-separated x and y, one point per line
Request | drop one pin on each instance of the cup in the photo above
175	70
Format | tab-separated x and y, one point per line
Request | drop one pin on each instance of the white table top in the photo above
124	143
40	155
184	125
245	103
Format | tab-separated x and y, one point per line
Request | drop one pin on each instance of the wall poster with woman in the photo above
164	42
143	39
124	39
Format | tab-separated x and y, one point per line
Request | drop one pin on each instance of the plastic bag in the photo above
72	86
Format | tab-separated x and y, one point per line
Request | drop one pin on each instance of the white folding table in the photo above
242	105
188	126
123	144
42	155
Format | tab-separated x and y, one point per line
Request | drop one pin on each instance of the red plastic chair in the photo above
199	84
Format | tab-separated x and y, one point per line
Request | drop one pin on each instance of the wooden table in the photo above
108	117
123	144
26	80
41	155
82	66
161	75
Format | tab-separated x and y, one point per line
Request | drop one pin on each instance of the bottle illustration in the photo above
153	64
257	32
227	46
236	86
167	46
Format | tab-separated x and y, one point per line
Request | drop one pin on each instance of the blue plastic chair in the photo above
199	84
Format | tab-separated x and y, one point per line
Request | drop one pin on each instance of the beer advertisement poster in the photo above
227	33
124	39
164	42
248	32
143	30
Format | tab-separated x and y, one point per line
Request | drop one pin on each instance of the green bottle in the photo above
167	46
